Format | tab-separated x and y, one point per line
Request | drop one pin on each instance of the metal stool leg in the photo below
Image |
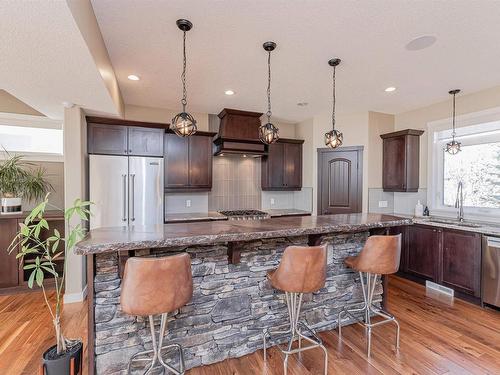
368	309
157	359
296	328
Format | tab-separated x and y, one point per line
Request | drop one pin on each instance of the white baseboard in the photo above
75	297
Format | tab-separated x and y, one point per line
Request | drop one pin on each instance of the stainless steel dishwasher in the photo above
491	271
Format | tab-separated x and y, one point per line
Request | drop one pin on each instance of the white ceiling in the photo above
44	60
224	52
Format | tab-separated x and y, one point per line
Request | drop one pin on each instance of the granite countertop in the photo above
483	227
286	212
194	216
104	240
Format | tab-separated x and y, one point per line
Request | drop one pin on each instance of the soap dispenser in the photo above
419	209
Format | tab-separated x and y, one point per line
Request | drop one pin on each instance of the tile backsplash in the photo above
300	200
183	203
380	201
235	183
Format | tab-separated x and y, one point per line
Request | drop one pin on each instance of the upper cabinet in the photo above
282	168
188	162
401	155
121	137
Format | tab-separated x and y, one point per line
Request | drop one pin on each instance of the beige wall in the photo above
378	123
75	176
465	103
305	130
11	104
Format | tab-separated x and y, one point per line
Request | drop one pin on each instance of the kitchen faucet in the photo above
459	202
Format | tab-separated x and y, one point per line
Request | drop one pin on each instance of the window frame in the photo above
30	121
472	128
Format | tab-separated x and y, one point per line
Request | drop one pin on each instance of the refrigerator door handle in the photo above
132	196
124	216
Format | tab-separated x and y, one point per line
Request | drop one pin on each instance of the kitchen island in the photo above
232	300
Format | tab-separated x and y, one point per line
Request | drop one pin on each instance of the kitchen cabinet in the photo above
400	160
422	255
449	257
9	273
461	261
110	137
282	167
188	162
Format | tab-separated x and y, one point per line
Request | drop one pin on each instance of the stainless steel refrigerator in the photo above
126	190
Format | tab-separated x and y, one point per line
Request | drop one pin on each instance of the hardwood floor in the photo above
438	336
26	331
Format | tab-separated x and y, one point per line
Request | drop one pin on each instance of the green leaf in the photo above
51	271
29	266
31	279
44	224
55	245
39	277
57	234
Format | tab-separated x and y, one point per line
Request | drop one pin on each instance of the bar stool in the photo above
302	270
380	256
154	286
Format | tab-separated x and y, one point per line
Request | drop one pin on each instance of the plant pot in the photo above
61	365
11	205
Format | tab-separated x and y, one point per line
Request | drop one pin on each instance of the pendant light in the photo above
183	124
453	147
333	138
268	133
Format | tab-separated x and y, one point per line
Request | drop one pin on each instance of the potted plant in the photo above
36	240
19	180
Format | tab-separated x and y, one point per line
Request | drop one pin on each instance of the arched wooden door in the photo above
340	180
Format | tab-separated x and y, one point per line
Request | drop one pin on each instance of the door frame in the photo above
324	150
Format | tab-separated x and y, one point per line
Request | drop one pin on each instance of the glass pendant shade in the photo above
334	138
453	147
183	124
268	133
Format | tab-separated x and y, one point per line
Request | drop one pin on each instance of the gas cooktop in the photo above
245	214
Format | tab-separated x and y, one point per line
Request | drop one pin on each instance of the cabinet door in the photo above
461	264
293	165
200	162
107	139
145	141
9	272
176	161
273	168
394	164
423	252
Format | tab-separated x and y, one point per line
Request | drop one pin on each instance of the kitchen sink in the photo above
456	222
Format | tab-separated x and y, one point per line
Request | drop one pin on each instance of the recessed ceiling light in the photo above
133	77
421	42
302	104
390	89
229	92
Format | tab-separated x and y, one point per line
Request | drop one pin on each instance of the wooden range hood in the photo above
239	133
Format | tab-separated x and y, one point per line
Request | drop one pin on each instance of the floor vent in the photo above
439	288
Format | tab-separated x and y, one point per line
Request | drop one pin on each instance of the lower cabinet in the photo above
448	257
422	256
9	272
461	261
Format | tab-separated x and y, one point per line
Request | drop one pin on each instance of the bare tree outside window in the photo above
478	167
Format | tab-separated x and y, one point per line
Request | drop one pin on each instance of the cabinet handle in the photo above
129	151
132	195
124	217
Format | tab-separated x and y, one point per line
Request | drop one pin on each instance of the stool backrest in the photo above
380	255
153	286
302	269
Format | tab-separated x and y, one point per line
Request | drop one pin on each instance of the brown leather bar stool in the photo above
380	256
154	286
302	270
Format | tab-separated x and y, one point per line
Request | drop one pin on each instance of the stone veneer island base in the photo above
232	300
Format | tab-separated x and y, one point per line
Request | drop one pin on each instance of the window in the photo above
477	166
31	135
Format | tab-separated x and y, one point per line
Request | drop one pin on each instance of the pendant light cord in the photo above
268	114
333	98
183	76
453	133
